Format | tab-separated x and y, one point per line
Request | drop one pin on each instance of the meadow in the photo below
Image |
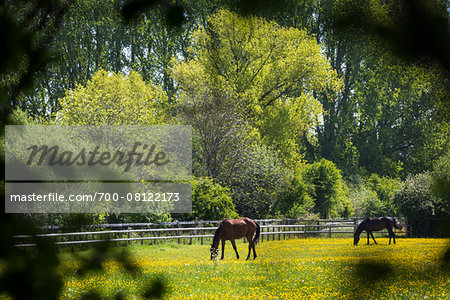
287	269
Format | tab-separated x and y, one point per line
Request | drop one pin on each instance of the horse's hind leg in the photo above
254	252
234	247
250	243
223	248
371	234
368	237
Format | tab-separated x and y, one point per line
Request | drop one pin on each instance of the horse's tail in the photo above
258	231
398	226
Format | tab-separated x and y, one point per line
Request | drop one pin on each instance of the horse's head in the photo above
356	240
214	251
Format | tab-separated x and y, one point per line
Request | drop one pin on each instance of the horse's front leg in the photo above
223	248
368	237
371	234
234	247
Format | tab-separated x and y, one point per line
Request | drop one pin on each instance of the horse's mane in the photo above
217	234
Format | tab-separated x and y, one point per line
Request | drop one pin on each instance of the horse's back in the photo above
376	224
388	219
249	221
238	228
240	221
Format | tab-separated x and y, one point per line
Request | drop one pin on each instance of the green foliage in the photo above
137	218
380	114
29	26
329	190
27	274
388	118
293	199
256	181
265	73
375	197
210	201
416	202
20	117
441	181
114	99
385	188
365	202
440	187
395	141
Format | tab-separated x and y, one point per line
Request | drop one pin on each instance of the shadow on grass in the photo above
377	276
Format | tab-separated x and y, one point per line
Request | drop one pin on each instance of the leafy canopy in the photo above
267	73
114	99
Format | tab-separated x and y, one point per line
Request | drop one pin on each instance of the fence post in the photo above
261	230
330	230
318	228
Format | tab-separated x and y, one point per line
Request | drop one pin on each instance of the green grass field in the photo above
287	269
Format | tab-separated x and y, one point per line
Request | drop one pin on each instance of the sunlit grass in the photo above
287	269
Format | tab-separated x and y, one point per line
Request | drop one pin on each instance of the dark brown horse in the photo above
376	224
232	230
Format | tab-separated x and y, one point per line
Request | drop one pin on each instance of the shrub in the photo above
328	189
293	200
385	188
210	201
255	182
416	202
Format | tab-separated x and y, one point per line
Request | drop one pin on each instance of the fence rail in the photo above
271	229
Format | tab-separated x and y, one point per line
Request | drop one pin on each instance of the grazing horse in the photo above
235	229
376	224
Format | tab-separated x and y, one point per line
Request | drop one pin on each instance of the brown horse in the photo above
235	229
376	224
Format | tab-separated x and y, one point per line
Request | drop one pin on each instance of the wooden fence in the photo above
201	231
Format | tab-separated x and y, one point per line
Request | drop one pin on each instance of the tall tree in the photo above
379	120
265	73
